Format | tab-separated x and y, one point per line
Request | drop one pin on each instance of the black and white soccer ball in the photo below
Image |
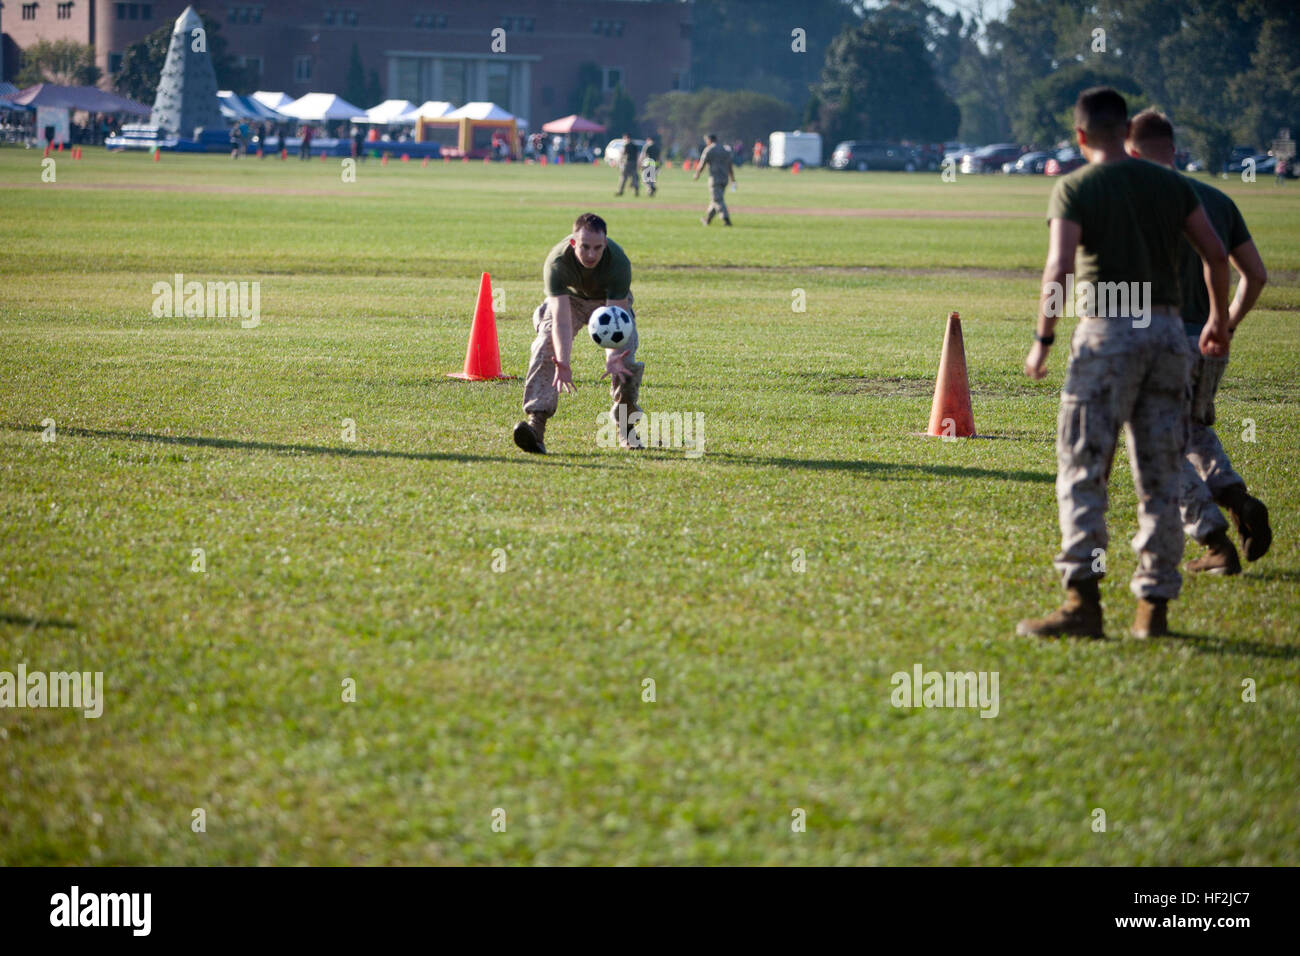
610	327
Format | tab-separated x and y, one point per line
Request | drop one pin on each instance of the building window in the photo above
302	69
613	78
65	11
251	63
114	62
29	11
329	18
244	14
146	11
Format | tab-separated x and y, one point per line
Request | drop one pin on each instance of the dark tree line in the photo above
1225	70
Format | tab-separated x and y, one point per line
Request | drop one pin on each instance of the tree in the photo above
586	97
142	65
877	83
746	116
355	91
64	62
752	44
622	113
374	94
679	116
1045	111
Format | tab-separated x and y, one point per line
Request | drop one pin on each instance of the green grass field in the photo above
522	689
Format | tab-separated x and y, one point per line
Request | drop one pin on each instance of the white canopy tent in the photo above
434	109
391	113
322	107
272	99
481	110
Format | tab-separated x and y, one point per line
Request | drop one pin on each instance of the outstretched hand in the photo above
563	380
615	367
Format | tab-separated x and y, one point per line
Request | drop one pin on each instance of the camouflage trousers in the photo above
1206	468
629	176
718	206
1121	375
540	394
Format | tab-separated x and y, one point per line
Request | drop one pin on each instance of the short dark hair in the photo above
712	137
1151	124
589	220
1101	112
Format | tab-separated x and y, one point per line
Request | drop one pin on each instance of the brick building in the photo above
421	49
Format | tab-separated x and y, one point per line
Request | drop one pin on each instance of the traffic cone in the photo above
542	160
47	149
157	155
384	160
446	159
482	357
60	147
406	158
322	155
464	159
284	152
950	414
424	162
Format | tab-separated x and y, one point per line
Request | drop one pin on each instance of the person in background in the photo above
304	150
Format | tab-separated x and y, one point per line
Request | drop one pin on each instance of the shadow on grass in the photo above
882	469
1204	644
196	441
22	620
1273	574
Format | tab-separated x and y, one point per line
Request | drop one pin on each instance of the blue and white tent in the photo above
238	107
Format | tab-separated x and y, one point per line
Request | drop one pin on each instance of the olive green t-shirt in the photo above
1132	214
1227	222
719	162
610	278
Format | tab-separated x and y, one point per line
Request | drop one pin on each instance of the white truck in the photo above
785	148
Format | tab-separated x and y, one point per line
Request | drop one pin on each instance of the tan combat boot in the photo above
1079	616
1220	556
1152	618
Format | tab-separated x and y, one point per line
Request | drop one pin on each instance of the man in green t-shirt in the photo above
1116	224
1208	475
721	170
582	273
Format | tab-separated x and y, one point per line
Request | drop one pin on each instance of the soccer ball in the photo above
610	327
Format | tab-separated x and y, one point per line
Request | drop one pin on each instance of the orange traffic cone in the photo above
542	160
284	153
157	155
482	358
383	161
951	415
47	149
464	159
424	162
322	156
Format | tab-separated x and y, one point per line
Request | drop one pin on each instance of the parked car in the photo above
862	156
989	159
1066	160
1027	165
929	157
955	151
613	154
1237	158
